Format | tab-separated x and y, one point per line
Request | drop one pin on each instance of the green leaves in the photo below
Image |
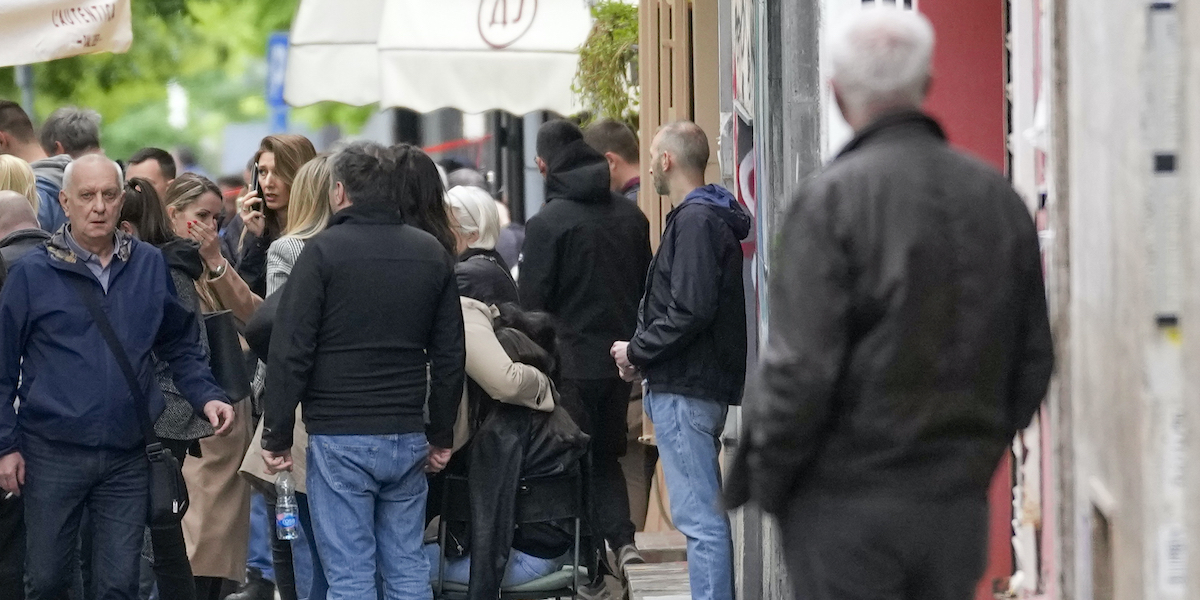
601	83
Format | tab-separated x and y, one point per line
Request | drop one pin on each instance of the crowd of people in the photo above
169	345
400	330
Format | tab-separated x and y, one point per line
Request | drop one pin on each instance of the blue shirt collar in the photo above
87	256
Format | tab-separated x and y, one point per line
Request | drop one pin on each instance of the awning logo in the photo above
503	22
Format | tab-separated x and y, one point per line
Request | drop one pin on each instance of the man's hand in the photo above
12	473
438	459
220	415
277	461
620	354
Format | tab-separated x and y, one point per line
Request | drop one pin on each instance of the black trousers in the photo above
600	408
171	569
12	549
841	547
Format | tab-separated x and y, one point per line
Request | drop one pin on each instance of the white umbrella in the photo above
33	31
474	55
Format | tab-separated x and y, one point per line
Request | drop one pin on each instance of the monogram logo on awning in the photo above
503	22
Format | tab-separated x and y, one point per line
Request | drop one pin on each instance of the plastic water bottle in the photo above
286	519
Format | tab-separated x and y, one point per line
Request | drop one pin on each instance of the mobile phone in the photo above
254	187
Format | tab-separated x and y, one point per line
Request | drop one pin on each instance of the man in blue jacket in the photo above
690	347
76	442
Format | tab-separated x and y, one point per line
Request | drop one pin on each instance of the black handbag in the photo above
168	491
226	359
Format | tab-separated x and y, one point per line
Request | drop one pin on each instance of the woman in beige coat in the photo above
216	526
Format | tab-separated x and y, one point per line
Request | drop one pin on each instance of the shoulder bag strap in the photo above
88	294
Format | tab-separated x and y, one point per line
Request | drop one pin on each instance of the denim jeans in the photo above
688	431
259	555
521	568
310	575
368	493
61	480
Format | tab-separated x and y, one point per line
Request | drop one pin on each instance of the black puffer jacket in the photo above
483	275
584	261
909	338
691	336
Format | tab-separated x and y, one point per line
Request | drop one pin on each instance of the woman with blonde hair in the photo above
308	214
17	175
216	527
193	205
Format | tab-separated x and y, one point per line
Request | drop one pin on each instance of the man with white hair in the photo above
73	311
909	343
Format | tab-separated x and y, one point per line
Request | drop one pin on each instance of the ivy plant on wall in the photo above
606	80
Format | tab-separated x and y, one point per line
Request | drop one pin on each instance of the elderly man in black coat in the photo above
910	342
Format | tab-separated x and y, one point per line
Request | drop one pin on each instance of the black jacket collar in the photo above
368	214
902	123
491	255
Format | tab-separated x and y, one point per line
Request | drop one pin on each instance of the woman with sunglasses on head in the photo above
217	526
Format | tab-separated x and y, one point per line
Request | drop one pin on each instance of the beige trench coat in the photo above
489	366
255	468
216	527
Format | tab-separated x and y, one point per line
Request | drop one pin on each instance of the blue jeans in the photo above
521	568
368	492
61	481
688	431
310	575
259	555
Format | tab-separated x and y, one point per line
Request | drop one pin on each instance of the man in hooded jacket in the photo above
690	347
584	261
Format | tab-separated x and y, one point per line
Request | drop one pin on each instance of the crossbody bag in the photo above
168	491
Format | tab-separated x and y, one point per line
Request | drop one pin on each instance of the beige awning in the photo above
474	55
34	31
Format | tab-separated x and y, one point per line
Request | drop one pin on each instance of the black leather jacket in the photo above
909	339
512	443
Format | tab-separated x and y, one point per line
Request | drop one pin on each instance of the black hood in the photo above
184	255
578	173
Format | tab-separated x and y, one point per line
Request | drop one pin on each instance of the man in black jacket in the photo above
368	325
584	261
690	346
909	342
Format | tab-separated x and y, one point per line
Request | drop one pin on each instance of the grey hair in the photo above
881	58
77	129
476	212
69	172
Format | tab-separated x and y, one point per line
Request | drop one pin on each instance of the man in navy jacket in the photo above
77	441
690	346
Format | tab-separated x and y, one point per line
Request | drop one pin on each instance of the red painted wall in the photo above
967	97
968	74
